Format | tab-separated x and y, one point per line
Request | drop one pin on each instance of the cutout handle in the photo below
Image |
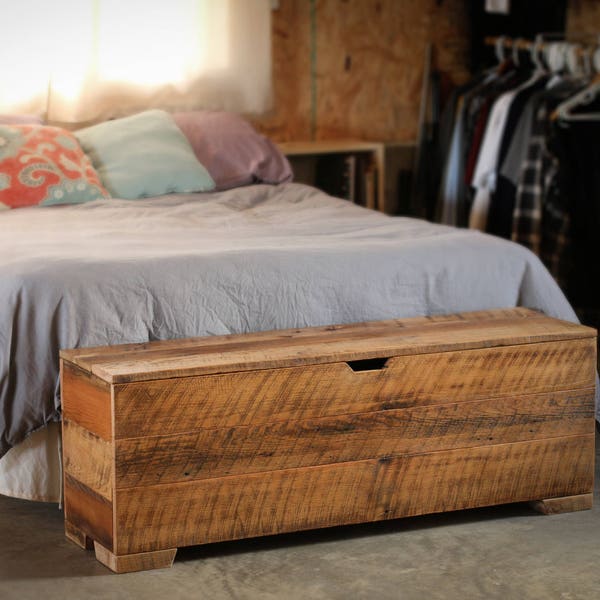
367	364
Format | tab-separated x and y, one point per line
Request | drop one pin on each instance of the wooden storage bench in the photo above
186	442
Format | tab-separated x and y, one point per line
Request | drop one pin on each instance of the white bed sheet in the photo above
32	469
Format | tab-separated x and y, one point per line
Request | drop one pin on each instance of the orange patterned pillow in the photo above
44	165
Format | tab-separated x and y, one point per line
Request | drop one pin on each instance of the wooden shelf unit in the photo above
308	149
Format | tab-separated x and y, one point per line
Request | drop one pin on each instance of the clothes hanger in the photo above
596	59
586	55
515	51
535	52
565	110
555	56
504	62
572	60
499	49
537	72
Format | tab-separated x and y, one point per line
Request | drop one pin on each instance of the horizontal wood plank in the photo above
88	458
180	405
88	512
327	345
86	400
556	506
129	563
164	516
201	440
315	147
85	357
286	445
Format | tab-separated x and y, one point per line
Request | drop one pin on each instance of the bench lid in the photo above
317	345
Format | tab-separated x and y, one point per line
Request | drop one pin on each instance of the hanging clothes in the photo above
505	114
513	170
453	190
540	218
455	195
577	146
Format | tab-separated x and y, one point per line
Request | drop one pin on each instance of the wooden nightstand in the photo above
304	157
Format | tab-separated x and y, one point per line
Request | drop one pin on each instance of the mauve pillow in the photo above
231	149
20	120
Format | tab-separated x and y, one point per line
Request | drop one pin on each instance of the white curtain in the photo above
86	60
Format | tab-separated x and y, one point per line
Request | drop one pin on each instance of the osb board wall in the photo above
583	16
369	66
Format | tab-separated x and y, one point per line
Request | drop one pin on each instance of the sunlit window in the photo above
87	59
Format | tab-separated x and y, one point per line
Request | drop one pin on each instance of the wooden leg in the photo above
554	506
78	537
144	561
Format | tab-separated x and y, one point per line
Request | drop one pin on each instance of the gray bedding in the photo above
249	259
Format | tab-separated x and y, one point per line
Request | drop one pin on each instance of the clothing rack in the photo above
520	147
525	44
584	47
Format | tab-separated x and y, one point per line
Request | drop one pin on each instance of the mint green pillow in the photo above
144	155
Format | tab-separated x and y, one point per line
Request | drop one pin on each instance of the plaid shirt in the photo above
541	220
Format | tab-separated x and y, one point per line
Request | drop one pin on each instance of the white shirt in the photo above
484	176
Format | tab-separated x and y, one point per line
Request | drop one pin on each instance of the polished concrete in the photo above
503	552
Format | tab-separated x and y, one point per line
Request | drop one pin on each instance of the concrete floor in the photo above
503	552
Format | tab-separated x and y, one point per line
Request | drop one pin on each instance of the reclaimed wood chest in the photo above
191	441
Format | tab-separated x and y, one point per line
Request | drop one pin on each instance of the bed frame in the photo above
202	440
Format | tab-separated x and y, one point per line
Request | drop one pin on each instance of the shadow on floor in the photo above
31	532
348	532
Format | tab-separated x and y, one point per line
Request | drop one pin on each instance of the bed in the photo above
252	258
108	246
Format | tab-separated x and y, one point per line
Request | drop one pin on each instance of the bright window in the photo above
82	60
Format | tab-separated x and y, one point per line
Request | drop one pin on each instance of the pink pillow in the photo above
20	120
231	150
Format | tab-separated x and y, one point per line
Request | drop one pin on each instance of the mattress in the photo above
249	259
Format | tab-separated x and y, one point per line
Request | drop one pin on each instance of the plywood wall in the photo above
583	16
369	57
369	63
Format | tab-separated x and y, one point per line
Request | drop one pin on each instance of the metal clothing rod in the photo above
524	44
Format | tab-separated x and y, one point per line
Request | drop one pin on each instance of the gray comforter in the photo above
249	259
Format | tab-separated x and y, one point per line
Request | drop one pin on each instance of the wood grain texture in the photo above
282	431
379	339
228	508
85	358
86	400
555	506
88	512
290	117
78	537
288	445
181	405
128	563
583	17
369	63
385	43
317	147
88	458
